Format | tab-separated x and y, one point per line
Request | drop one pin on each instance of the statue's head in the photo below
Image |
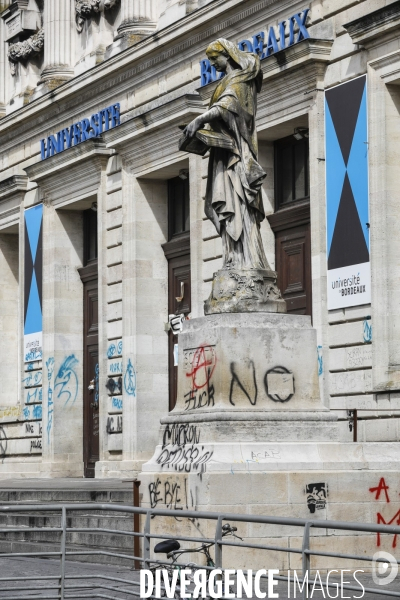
219	57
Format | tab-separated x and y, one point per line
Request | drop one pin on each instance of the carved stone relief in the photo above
86	8
21	51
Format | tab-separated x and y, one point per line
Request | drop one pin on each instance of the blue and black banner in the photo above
346	135
33	283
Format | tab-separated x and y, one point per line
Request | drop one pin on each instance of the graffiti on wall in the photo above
316	496
66	384
130	379
381	493
50	403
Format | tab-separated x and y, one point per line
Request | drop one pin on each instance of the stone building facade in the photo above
102	226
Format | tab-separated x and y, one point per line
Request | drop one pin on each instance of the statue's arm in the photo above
210	115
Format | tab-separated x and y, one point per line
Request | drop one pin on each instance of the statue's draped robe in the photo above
233	197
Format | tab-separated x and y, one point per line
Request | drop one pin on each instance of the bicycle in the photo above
172	549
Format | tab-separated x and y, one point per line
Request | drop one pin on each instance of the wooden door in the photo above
177	253
293	257
293	266
90	369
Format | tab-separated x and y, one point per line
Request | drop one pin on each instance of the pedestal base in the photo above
241	291
319	481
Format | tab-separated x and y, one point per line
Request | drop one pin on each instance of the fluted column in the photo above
59	29
3	72
138	19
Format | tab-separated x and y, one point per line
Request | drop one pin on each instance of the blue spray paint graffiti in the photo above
37	411
50	410
34	396
96	394
114	350
116	367
111	350
27	412
33	355
130	379
67	380
117	403
29	367
320	360
33	379
367	330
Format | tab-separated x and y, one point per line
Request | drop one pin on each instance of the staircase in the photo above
34	492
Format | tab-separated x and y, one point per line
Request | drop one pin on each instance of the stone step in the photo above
66	496
107	521
83	539
65	491
18	546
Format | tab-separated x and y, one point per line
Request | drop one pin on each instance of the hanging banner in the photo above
33	284
346	154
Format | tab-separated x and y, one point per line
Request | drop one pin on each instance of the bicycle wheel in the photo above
170	570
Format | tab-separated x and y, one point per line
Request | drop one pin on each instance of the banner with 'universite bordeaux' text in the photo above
33	283
348	250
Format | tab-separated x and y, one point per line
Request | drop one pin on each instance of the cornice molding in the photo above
92	150
305	53
379	23
12	193
388	67
72	175
176	33
144	119
13	185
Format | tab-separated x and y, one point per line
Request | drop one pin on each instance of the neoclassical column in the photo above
3	73
59	29
138	19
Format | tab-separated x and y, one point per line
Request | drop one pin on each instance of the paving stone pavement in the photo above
37	568
92	587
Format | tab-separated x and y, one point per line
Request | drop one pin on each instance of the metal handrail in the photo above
64	584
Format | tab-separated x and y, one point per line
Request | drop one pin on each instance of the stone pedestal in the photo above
249	434
238	291
244	380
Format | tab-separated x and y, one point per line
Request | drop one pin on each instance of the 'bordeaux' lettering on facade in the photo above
105	119
208	73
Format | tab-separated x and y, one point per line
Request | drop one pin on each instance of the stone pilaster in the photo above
59	29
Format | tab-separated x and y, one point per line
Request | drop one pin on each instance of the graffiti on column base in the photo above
172	494
179	435
185	458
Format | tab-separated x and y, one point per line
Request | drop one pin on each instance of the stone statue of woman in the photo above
233	197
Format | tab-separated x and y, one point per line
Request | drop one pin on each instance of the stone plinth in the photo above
238	291
249	364
249	434
244	380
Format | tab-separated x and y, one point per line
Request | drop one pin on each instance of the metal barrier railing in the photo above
65	586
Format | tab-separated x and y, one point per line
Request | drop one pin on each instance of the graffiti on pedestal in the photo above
171	493
199	364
